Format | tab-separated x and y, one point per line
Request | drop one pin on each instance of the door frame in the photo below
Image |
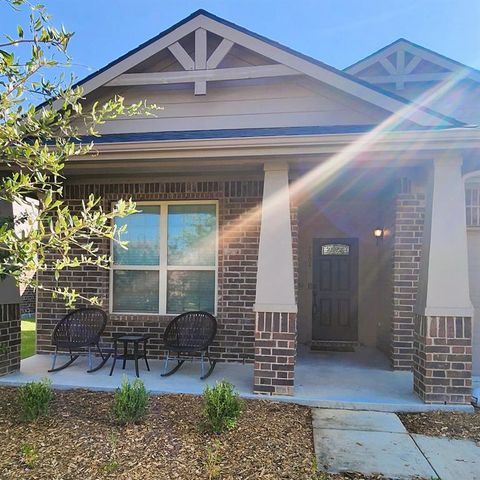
354	245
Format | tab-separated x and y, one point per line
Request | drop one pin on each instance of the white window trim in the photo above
163	268
472	183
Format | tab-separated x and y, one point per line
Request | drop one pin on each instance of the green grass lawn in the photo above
28	338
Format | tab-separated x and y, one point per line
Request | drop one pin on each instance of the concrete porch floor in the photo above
360	380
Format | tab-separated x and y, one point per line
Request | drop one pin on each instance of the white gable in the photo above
189	68
419	74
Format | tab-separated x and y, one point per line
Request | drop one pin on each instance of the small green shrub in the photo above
130	402
34	399
221	407
213	461
113	464
29	454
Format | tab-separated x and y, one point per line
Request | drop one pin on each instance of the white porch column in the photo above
443	320
275	281
275	305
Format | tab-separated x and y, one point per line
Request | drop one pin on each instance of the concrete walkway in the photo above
378	443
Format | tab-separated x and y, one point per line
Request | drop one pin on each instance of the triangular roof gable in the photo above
412	54
202	19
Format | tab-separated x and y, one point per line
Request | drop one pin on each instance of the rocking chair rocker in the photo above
76	331
187	334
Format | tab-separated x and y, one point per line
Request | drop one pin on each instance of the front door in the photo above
334	289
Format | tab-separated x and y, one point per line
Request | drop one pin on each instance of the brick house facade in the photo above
313	244
237	268
237	256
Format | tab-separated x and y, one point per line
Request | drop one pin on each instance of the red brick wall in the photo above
442	367
237	261
409	219
9	338
275	353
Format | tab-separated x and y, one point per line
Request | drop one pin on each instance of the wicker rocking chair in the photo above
187	334
79	330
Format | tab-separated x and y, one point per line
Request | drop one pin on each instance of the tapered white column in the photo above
443	284
442	360
275	277
275	306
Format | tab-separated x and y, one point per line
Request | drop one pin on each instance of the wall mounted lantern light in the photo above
378	233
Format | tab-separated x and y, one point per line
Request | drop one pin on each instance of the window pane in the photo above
190	290
192	235
135	291
143	236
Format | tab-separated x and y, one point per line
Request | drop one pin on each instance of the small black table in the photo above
137	353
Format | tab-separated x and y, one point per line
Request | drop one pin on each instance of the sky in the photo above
337	32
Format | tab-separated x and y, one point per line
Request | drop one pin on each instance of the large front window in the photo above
170	266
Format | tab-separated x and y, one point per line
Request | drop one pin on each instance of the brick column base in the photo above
275	351
442	361
9	338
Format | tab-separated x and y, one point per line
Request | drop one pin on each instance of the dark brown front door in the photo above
335	279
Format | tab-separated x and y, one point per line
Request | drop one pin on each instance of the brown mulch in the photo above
444	424
79	440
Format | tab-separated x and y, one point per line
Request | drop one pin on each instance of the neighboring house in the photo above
298	203
27	301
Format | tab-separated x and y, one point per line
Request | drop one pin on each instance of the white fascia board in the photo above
421	146
138	57
441	61
371	60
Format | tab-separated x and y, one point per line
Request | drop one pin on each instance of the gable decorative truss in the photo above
399	62
282	61
201	69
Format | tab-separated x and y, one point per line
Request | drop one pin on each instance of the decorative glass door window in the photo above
335	249
170	266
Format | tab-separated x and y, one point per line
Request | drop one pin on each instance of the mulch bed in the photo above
79	440
444	424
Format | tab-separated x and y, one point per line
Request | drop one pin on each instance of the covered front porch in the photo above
360	380
269	223
404	292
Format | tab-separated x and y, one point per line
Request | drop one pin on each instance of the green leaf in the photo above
7	58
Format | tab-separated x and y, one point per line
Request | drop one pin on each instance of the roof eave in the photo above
449	139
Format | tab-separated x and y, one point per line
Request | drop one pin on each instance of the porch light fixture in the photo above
378	233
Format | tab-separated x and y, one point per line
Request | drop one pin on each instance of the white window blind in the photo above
170	266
